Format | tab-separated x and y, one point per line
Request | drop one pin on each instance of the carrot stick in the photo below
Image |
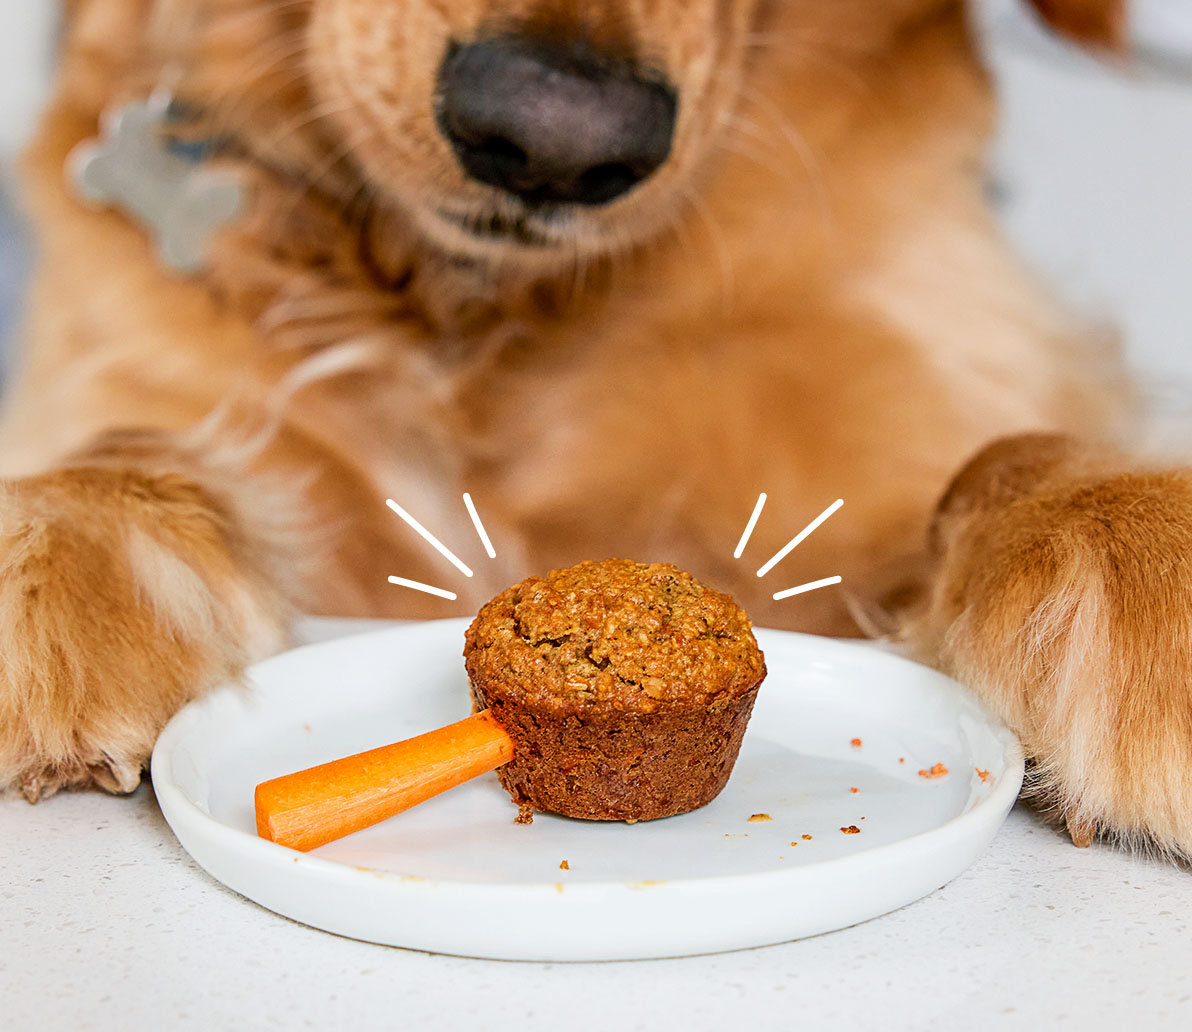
315	806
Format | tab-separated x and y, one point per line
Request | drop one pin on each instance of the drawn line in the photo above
790	592
799	538
430	589
757	511
433	541
488	545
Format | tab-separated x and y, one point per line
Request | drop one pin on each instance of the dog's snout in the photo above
550	124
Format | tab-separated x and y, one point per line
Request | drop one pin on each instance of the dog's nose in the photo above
553	125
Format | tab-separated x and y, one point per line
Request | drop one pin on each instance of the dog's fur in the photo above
809	298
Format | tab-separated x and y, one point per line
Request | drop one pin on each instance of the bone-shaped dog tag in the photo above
132	168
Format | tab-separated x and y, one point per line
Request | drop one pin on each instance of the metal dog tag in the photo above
134	168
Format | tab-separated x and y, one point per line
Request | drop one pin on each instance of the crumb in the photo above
902	759
630	820
862	818
305	727
794	843
525	814
806	838
564	865
854	790
760	817
852	829
938	770
982	774
855	743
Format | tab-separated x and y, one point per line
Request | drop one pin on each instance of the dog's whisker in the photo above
804	588
806	155
280	51
679	230
799	538
748	532
430	539
766	159
724	263
837	60
484	538
246	91
308	118
428	589
746	138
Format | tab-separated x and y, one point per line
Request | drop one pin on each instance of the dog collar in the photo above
137	166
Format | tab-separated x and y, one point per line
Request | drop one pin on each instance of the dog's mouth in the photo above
529	229
545	227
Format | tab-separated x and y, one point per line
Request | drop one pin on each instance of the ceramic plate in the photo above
456	875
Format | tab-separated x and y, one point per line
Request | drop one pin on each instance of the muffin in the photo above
625	687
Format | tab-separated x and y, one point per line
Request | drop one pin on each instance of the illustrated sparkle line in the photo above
811	586
484	539
799	538
433	541
757	511
430	589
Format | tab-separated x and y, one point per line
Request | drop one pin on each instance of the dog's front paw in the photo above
1064	597
119	602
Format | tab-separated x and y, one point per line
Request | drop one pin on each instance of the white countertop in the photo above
106	923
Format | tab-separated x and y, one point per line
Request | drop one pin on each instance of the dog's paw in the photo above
119	602
1063	596
40	780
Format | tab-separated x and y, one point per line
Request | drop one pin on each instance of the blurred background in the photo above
1093	165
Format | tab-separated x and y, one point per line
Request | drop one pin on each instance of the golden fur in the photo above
809	298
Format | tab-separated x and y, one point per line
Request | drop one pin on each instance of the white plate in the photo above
456	875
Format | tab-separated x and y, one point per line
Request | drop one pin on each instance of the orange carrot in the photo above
315	806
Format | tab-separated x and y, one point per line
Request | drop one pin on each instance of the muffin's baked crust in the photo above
626	688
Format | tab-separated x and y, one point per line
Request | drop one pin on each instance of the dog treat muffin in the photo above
626	688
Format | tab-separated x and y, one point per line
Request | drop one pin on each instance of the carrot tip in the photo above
312	807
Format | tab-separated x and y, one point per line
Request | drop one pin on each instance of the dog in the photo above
613	268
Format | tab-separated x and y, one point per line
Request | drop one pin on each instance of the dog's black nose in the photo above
553	125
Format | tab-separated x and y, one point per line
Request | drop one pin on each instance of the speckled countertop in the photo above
106	923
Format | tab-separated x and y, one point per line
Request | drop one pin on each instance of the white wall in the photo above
26	33
1097	166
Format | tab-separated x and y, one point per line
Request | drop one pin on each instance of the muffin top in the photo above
614	635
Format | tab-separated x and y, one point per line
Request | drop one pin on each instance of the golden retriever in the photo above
613	267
